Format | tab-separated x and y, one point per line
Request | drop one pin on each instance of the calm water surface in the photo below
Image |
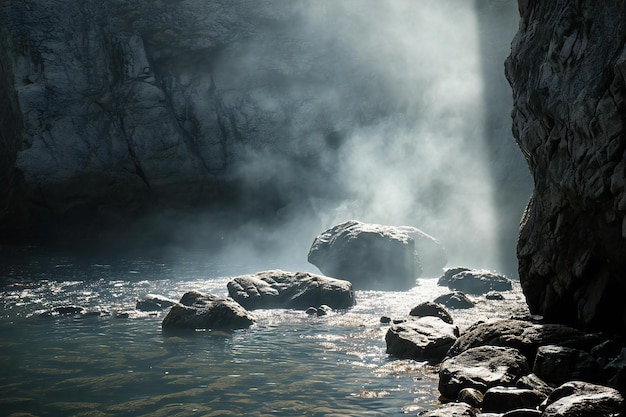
120	363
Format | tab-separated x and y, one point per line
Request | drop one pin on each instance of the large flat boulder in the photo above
206	311
297	290
372	256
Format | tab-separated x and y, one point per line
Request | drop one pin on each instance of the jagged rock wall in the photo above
567	69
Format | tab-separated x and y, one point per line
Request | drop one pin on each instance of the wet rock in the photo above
479	282
523	335
471	396
481	368
494	295
322	310
503	399
452	410
69	310
371	256
558	364
153	302
576	398
198	311
425	338
296	290
455	300
385	320
429	308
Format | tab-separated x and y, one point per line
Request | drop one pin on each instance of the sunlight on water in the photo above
116	361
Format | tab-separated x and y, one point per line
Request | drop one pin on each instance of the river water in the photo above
120	363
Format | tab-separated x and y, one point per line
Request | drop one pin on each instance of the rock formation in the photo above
567	69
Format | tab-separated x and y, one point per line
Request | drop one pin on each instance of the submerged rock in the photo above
68	310
374	256
153	302
426	338
200	311
297	290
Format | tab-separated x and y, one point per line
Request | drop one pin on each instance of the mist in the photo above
364	110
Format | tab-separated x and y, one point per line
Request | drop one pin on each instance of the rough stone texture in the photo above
479	282
297	290
558	364
567	69
371	256
576	398
502	399
481	368
523	335
199	311
428	308
455	300
424	339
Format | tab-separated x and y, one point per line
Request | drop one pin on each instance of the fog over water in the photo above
382	116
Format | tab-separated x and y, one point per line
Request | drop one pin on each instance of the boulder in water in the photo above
424	338
479	282
200	311
373	256
297	290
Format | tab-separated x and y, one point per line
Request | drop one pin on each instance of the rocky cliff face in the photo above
567	69
121	109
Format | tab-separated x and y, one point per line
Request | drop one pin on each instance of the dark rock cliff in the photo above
118	110
567	69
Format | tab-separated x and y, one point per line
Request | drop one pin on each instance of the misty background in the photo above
245	129
401	117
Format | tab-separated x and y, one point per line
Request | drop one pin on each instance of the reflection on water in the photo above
113	364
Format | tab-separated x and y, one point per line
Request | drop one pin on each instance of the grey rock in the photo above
371	256
296	290
577	398
558	364
503	399
481	368
206	312
494	295
154	302
448	273
455	300
523	335
429	308
479	282
424	339
567	72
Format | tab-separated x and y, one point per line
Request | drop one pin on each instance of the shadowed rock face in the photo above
567	69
